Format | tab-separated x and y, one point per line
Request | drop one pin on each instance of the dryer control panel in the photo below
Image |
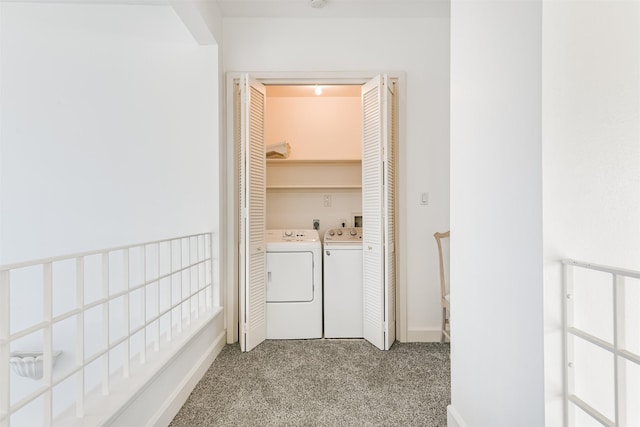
290	235
348	234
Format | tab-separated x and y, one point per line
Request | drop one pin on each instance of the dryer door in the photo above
289	277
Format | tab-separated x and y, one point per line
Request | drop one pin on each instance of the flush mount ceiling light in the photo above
317	4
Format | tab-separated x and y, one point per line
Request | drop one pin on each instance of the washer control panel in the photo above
348	234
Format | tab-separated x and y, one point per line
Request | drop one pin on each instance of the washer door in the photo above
289	276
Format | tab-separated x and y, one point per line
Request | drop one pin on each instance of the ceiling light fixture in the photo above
318	90
318	4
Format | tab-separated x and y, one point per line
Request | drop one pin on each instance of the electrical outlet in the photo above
316	224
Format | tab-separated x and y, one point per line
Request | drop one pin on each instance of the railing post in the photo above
189	290
80	336
170	293
212	299
47	344
127	321
202	271
193	271
181	276
156	345
5	349
105	323
619	332
567	346
143	305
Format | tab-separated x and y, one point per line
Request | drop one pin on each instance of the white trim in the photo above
144	407
229	222
454	419
423	335
176	400
319	77
128	402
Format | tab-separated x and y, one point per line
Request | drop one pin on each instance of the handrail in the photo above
606	269
173	290
23	264
616	348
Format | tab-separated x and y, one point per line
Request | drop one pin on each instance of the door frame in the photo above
229	192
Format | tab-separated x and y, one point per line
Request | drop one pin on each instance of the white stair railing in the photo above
72	325
613	383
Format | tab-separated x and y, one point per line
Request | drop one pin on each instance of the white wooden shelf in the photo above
315	187
323	174
294	162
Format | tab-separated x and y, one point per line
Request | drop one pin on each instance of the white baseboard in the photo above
423	335
162	386
453	418
175	400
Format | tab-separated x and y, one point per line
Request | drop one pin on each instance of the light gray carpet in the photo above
323	383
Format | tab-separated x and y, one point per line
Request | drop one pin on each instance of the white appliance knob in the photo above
331	233
288	233
339	232
353	232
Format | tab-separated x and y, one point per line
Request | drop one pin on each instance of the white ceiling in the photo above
301	8
335	8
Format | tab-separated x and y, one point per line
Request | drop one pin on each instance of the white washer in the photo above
294	284
343	283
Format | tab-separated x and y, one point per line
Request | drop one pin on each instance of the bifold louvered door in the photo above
378	209
253	276
389	199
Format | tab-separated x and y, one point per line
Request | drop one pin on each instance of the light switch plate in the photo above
424	198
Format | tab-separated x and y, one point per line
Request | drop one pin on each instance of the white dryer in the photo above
343	283
294	284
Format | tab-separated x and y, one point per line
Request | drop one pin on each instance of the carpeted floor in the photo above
323	383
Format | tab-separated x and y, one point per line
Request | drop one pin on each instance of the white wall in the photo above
317	127
109	128
496	214
298	208
108	136
419	47
591	147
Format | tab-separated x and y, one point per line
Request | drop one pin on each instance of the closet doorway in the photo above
246	203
